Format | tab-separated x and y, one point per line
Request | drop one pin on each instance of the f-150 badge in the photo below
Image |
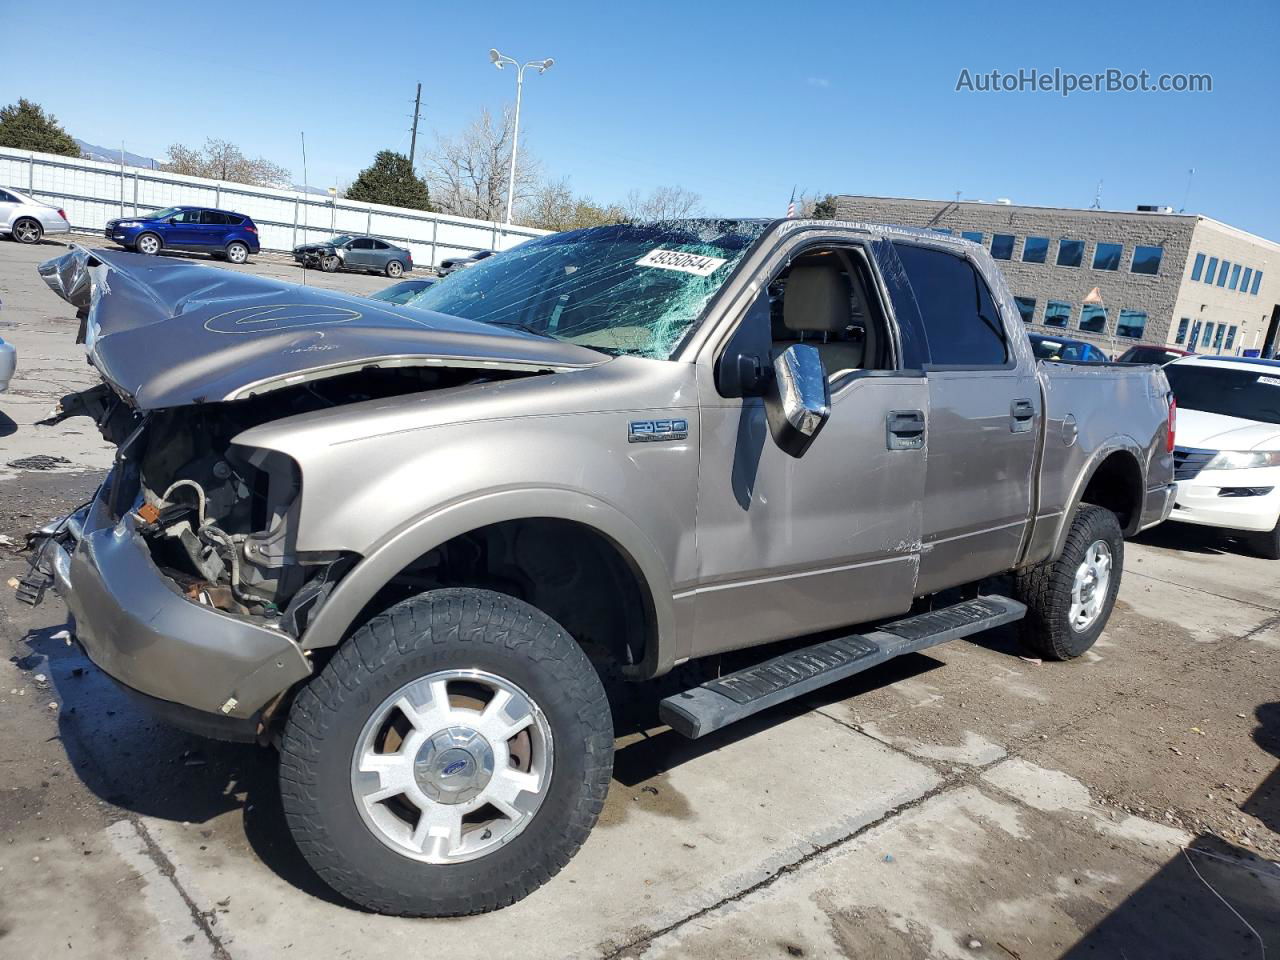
648	431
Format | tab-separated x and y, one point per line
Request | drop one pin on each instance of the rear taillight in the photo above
63	214
251	228
1173	422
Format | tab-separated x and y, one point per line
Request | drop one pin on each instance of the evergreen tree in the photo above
824	209
391	180
25	126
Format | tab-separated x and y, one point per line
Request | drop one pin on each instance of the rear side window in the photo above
213	218
961	321
7	197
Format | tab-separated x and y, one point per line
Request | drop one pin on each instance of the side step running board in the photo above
720	702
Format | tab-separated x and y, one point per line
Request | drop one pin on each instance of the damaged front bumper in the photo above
207	671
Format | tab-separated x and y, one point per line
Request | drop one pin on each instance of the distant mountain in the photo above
103	155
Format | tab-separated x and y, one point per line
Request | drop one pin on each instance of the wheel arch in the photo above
543	513
1113	479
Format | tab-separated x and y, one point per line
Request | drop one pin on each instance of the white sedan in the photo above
1227	459
27	220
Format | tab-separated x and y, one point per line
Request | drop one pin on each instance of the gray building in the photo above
1160	277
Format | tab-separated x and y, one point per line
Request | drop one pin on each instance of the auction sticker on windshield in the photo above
694	263
1270	381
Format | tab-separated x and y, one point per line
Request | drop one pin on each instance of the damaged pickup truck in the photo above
408	545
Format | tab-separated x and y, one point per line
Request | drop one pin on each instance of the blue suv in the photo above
217	232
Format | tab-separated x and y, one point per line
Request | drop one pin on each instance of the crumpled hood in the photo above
1213	431
168	333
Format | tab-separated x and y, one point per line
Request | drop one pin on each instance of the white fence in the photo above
92	193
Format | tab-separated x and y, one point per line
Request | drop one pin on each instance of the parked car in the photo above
1156	353
221	233
1227	463
27	220
1065	350
451	264
406	551
8	363
402	292
366	254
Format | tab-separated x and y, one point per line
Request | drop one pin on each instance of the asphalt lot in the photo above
964	803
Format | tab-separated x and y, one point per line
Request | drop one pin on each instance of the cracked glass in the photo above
588	287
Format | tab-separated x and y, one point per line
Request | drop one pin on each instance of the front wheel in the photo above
28	230
237	252
450	758
330	264
1070	599
1267	544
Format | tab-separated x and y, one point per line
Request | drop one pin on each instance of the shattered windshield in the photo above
632	289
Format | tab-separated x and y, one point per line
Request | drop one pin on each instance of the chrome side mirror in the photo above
797	400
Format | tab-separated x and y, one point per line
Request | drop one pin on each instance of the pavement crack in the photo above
1207	593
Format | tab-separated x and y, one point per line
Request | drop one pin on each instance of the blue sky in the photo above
737	101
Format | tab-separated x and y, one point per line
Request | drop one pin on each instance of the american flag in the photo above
791	206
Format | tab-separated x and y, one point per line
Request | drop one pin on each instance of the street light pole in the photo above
543	66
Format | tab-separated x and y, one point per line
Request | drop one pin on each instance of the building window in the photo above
1257	279
1218	334
1183	324
1093	318
1026	307
974	235
1195	336
1222	273
1147	260
1244	281
1208	335
1035	249
1198	268
1057	313
1208	274
1235	276
1131	324
945	231
1106	256
1070	252
1231	337
1002	246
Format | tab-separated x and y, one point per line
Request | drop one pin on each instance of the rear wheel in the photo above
1070	599
148	243
450	758
237	252
27	230
395	269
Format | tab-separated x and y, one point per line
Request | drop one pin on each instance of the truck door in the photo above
984	419
789	546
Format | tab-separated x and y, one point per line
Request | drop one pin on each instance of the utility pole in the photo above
413	139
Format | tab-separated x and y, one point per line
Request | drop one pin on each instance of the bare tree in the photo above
223	160
663	203
554	206
468	173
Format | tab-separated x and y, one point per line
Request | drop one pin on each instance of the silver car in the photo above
462	263
8	363
27	220
344	252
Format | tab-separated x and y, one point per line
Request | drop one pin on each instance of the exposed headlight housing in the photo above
1244	459
128	223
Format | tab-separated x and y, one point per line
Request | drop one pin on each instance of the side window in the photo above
961	321
379	245
7	197
213	218
362	243
189	216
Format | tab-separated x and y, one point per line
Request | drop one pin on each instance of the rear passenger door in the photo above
213	229
984	410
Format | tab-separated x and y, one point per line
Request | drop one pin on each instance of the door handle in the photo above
1021	414
904	430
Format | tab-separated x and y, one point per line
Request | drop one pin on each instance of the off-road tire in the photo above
1046	588
1267	545
443	630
